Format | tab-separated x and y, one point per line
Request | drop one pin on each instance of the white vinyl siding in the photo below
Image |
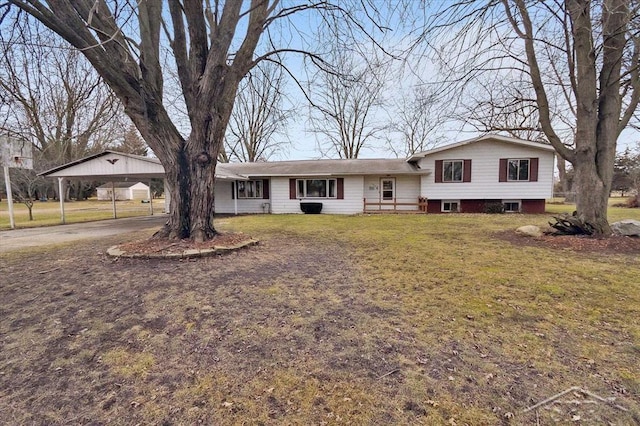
224	202
407	190
485	184
351	204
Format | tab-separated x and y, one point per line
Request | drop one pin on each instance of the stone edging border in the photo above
115	251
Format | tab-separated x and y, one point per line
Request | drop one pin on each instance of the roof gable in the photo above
483	138
109	164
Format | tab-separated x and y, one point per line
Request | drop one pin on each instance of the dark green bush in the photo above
493	208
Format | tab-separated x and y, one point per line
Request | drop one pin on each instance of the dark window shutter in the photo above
533	170
438	171
292	189
340	189
503	170
466	171
233	190
265	189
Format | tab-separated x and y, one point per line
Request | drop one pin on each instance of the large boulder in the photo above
529	231
626	227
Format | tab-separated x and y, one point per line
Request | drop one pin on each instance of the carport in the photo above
113	166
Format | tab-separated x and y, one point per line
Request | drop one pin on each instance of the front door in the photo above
387	191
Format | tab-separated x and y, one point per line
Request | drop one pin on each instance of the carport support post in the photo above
113	199
167	195
7	184
235	198
150	199
61	198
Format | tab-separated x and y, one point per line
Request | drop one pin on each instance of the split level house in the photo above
466	176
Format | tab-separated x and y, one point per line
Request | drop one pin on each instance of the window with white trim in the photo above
249	188
511	206
452	170
316	188
518	169
450	206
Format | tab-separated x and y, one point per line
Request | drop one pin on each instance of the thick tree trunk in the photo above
189	170
191	216
592	196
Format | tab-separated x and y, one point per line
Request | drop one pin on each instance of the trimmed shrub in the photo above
493	208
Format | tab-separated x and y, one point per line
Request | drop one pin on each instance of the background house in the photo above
471	176
123	191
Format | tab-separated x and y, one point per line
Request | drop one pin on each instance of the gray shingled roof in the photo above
325	168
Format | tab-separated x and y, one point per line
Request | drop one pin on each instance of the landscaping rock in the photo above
529	231
626	227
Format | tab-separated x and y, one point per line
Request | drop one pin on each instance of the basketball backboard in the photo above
15	153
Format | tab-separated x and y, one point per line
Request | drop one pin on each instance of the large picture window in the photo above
250	189
452	171
518	170
316	188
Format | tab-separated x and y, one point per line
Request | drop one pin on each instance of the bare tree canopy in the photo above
580	60
51	97
416	120
346	105
258	116
214	45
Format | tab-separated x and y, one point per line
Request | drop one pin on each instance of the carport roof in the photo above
113	165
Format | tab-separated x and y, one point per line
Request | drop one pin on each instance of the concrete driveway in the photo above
35	237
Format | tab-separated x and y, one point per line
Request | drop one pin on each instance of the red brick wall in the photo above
533	206
477	206
434	206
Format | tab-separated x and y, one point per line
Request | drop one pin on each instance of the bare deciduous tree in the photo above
52	97
215	45
258	116
26	187
509	106
345	106
416	120
587	52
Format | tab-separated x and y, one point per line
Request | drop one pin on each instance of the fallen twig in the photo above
572	389
389	373
49	270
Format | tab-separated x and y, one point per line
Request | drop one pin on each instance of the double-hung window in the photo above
518	170
452	170
250	189
316	188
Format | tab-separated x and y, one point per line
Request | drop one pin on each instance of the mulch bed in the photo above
613	244
163	246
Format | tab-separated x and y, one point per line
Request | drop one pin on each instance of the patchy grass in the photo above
332	320
48	213
614	213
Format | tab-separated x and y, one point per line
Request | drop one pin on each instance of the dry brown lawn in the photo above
363	321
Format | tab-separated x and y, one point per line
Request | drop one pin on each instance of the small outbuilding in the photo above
123	191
